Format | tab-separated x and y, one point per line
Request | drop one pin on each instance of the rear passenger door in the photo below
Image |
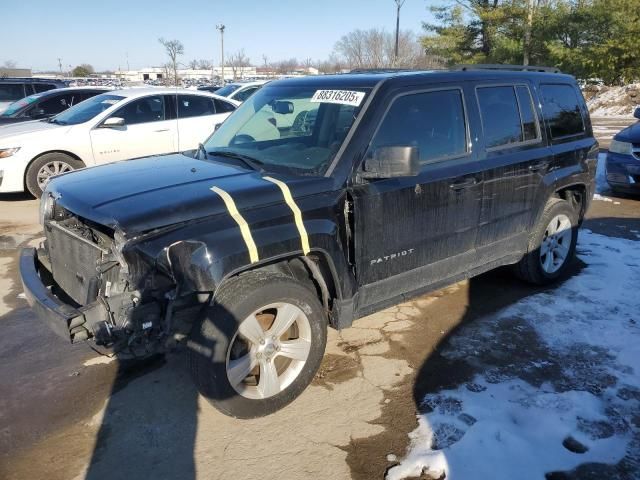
414	231
516	162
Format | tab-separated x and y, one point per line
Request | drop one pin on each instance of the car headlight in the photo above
7	152
623	148
47	202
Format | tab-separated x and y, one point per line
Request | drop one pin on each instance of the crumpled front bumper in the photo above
67	321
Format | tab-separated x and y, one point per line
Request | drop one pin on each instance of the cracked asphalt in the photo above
67	414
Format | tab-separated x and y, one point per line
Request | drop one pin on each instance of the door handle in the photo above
463	184
536	167
162	130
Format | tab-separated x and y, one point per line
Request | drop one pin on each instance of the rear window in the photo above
561	110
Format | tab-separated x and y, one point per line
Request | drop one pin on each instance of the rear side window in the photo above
527	113
432	121
561	110
10	92
43	87
194	106
223	107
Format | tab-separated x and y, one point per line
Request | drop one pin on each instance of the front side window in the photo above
432	121
561	110
297	129
10	92
85	111
56	104
142	110
500	116
195	106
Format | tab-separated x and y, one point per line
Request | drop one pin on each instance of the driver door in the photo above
416	231
146	131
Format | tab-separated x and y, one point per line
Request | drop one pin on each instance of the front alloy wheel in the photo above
259	345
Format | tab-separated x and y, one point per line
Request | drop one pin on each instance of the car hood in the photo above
144	194
630	134
26	128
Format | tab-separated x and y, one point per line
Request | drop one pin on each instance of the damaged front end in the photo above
88	281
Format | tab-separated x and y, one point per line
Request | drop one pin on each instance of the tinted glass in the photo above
56	104
194	106
527	113
10	92
244	94
227	90
561	109
85	111
43	87
222	107
142	110
500	116
432	121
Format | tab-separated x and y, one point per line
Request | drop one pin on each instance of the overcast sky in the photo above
36	32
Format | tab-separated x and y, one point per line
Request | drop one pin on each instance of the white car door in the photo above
198	117
146	131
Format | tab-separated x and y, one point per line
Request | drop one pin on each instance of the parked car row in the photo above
114	125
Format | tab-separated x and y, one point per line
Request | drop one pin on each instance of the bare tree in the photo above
174	49
193	64
9	64
283	67
237	61
204	64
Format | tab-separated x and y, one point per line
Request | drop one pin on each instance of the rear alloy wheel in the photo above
556	244
552	244
259	345
46	166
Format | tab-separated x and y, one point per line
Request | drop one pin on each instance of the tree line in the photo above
587	38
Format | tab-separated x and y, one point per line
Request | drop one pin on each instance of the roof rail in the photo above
382	70
521	68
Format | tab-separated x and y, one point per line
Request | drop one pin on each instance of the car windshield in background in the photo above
227	90
85	111
20	104
291	129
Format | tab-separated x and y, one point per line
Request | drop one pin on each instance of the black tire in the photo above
530	267
31	176
212	337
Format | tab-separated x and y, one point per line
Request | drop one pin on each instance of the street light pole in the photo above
399	4
221	27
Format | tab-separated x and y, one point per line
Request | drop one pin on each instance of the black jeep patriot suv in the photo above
320	200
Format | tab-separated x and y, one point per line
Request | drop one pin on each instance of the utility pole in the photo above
127	54
60	65
221	27
399	4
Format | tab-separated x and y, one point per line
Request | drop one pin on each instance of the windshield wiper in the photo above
247	160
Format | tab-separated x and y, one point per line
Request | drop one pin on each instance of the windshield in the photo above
85	111
292	129
20	104
227	90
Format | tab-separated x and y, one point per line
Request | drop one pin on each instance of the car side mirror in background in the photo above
393	161
37	113
282	107
113	122
636	113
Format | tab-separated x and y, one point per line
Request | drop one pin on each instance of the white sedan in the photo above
113	126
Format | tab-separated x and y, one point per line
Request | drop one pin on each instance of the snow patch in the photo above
583	340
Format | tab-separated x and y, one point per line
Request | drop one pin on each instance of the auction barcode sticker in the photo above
343	97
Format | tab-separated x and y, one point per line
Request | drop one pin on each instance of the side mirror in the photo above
282	107
113	122
393	161
636	113
37	113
